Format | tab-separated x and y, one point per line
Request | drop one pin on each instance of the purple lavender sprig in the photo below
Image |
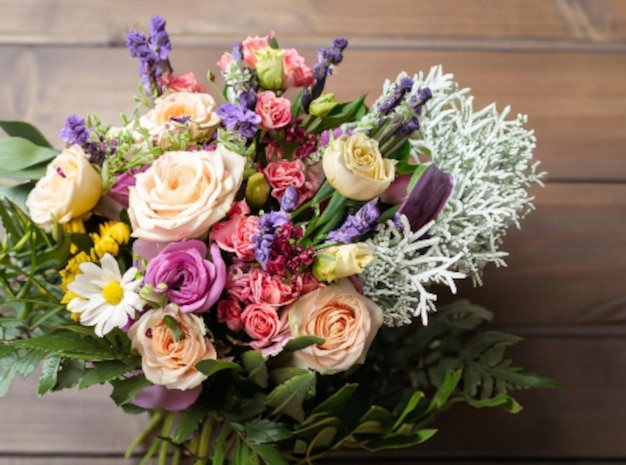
327	58
75	132
362	222
153	53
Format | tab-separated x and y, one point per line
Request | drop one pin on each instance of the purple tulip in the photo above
193	282
428	197
174	400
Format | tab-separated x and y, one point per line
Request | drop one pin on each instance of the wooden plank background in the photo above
562	62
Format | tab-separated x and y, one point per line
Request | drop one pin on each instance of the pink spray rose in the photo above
262	323
186	82
222	232
229	312
252	44
297	74
194	283
284	173
270	290
275	112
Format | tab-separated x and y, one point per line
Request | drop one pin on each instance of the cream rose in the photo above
346	320
167	358
354	166
178	112
183	193
341	261
70	188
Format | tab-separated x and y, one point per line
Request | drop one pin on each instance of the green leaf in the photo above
280	375
269	454
301	342
401	441
449	384
254	363
17	154
101	372
297	102
8	370
500	400
189	421
70	373
17	193
410	406
289	396
125	389
25	131
172	324
323	439
334	403
69	344
210	367
243	454
49	373
379	415
265	431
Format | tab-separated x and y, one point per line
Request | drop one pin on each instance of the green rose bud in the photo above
257	190
269	68
322	105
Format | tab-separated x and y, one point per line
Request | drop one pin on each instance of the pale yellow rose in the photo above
341	261
347	320
355	167
198	109
167	358
183	193
70	188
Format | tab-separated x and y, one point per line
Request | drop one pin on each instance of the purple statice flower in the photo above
289	200
238	118
152	52
428	197
397	95
262	242
75	131
325	136
326	59
362	222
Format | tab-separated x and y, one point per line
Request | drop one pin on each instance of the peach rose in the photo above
346	320
178	112
355	167
183	193
275	112
167	358
70	188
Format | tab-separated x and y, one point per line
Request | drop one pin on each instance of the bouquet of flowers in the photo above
259	270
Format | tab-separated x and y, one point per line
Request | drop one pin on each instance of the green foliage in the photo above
25	131
31	162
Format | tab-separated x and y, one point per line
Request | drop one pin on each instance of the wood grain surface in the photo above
562	62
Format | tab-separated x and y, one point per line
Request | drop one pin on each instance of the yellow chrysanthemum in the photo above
103	245
75	226
68	274
117	230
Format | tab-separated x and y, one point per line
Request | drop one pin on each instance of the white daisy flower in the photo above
105	299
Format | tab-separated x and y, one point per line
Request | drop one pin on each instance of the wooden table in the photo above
562	62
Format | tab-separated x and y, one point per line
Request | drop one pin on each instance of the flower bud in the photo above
323	104
269	68
257	190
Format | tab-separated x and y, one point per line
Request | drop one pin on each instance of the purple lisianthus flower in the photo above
119	191
174	400
239	118
193	282
427	198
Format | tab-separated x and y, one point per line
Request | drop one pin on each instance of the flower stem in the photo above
157	417
165	432
205	441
